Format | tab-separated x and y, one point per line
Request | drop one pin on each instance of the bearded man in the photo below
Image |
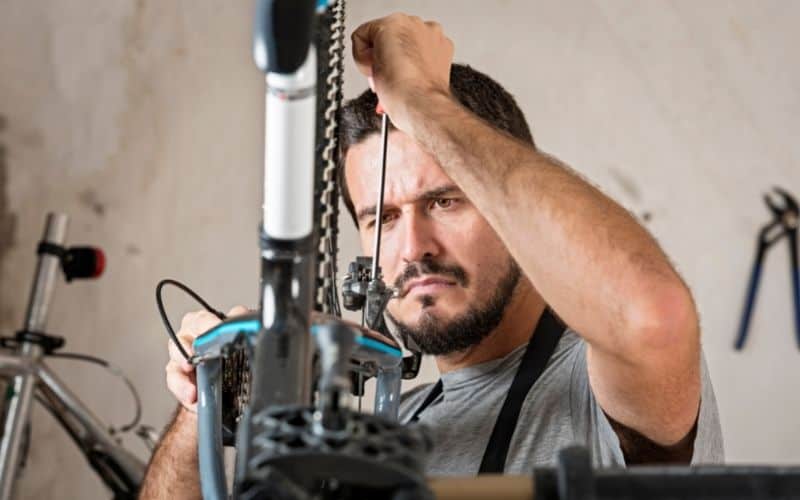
553	316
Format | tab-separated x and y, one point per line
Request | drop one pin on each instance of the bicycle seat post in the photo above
47	268
19	402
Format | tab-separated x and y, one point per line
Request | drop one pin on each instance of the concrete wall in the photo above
143	121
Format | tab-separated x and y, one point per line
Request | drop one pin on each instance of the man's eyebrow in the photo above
438	192
430	194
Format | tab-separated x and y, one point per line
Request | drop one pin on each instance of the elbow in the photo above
665	347
664	320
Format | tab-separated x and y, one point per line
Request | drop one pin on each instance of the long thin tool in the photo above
376	248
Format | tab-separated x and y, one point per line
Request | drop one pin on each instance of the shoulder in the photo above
417	392
571	349
412	398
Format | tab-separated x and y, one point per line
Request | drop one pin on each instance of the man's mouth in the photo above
427	285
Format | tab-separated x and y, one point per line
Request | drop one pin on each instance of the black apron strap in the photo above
544	341
548	332
430	398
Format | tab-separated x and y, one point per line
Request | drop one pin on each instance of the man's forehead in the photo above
410	170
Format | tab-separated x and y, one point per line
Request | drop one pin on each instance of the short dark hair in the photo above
473	89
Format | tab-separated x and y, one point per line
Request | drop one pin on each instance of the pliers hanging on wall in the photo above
784	223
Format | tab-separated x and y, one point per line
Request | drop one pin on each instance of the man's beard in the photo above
436	336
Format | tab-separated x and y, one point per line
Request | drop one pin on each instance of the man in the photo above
488	240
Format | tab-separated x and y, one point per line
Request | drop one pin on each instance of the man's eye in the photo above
444	202
385	219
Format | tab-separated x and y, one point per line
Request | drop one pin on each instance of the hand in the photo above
404	58
180	373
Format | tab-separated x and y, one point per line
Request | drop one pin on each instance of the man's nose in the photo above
419	239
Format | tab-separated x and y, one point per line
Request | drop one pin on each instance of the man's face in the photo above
453	272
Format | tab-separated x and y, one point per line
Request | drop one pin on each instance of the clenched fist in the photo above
405	58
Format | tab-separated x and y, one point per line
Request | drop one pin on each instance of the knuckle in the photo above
174	353
238	311
187	319
202	315
199	322
172	382
177	383
186	338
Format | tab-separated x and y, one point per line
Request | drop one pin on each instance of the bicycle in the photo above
30	378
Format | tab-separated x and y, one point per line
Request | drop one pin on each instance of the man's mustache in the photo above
430	266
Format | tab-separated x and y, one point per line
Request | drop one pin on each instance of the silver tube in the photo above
47	266
92	430
18	405
11	365
18	409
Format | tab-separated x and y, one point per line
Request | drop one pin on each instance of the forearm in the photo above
173	469
584	253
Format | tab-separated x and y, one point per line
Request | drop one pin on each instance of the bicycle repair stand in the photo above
784	223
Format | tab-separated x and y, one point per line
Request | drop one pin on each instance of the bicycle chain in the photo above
329	195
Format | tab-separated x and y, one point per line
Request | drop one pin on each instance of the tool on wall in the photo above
786	214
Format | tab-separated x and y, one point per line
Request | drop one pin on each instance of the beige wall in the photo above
143	121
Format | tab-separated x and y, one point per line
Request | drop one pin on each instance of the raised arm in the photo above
588	258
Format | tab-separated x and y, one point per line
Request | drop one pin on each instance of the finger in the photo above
363	40
182	386
180	363
187	319
238	311
191	403
175	355
186	341
178	357
433	24
199	323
